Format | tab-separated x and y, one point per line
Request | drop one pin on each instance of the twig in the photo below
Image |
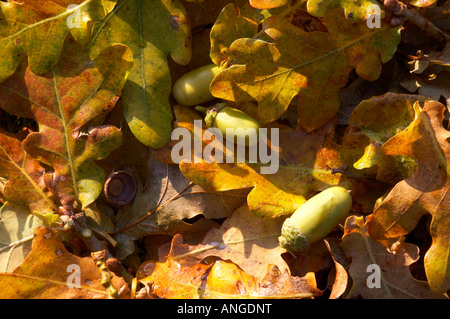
157	208
400	9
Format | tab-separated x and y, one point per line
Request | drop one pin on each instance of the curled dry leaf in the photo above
373	265
425	192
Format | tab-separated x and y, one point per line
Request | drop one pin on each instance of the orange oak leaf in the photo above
63	101
50	271
425	192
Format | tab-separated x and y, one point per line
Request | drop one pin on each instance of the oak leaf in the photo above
425	192
63	101
267	4
222	36
372	123
226	280
48	273
311	166
25	185
312	65
16	233
378	271
38	29
153	30
171	279
248	241
353	10
165	205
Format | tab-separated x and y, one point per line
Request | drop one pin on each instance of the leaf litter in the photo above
362	108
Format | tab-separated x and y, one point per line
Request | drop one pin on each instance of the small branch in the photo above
400	9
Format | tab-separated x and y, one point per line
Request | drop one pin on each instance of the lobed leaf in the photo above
426	191
25	185
353	10
45	273
38	29
267	4
63	101
153	30
222	36
248	241
379	272
313	165
373	122
171	279
312	65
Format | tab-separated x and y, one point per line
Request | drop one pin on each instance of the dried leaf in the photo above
303	63
267	4
16	232
159	208
389	277
423	3
353	10
226	280
45	273
25	183
172	279
341	281
371	124
248	241
222	36
424	192
309	167
62	101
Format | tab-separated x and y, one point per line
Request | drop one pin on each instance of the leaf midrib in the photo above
51	19
70	160
318	59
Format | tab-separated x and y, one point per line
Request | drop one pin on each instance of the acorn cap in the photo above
212	112
120	188
292	238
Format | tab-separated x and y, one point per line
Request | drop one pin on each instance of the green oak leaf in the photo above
153	30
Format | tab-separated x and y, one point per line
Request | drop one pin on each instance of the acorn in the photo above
315	219
222	117
192	88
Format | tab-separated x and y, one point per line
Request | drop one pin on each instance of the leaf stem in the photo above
201	109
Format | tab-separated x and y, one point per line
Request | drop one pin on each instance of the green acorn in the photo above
222	117
192	88
315	219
